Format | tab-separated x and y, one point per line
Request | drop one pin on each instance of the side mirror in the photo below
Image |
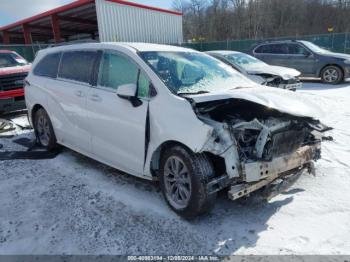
308	54
128	92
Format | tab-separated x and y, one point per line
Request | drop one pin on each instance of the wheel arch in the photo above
217	161
35	109
331	64
157	154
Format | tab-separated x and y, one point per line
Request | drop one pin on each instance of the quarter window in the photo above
117	70
48	66
77	65
143	88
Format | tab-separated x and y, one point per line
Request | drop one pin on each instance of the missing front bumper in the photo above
260	174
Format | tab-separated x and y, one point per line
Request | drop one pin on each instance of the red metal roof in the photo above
48	13
80	3
123	2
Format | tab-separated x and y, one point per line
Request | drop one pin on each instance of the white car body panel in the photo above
68	100
117	138
285	72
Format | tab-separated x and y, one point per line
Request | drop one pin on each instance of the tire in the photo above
199	170
44	132
332	75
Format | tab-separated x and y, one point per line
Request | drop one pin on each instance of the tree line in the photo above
218	20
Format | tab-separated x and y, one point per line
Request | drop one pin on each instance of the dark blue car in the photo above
306	57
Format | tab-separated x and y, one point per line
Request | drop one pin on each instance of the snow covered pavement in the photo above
74	205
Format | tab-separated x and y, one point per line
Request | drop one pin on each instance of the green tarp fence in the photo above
337	42
27	51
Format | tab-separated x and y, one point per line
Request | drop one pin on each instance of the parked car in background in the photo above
258	71
306	57
13	71
171	114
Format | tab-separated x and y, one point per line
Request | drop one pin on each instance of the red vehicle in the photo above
13	71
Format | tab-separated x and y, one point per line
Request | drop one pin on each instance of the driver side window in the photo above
295	49
116	70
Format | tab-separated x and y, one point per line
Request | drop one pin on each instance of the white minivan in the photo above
171	114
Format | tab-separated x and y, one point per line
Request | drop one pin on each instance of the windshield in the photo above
314	48
244	60
11	59
192	72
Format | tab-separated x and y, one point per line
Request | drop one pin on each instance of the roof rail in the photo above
277	40
75	42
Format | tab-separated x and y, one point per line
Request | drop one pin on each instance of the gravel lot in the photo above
74	205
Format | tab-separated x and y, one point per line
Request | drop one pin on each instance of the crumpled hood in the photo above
281	100
284	72
14	70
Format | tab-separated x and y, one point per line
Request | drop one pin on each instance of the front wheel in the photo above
183	179
44	132
332	75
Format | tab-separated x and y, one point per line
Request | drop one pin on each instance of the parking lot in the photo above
74	205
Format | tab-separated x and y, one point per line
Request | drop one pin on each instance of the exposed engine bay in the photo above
257	141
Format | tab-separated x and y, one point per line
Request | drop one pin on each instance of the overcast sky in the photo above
14	10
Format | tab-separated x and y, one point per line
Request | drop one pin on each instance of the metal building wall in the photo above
118	22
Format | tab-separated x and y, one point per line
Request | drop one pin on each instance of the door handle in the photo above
79	93
95	98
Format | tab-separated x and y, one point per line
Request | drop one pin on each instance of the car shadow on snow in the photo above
317	84
230	226
130	214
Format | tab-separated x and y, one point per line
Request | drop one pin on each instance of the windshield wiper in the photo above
192	93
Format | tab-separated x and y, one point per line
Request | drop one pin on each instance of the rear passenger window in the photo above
117	70
48	66
278	49
77	65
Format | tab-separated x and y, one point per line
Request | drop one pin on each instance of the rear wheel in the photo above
183	179
332	75
43	130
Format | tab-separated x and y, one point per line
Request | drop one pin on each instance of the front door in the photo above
301	59
116	126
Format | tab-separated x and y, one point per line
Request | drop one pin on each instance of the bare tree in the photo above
215	20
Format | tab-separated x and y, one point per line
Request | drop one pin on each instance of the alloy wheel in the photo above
331	75
177	182
43	130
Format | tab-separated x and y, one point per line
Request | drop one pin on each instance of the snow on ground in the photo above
74	205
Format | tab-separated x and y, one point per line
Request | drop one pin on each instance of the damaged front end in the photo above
292	84
258	145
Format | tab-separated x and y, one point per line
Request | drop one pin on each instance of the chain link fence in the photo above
337	42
